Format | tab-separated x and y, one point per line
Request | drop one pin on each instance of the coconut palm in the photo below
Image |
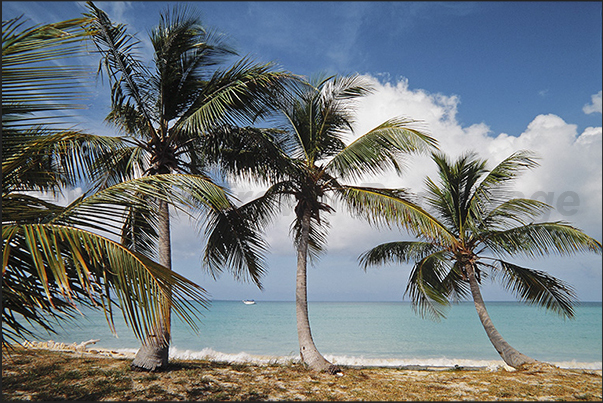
307	160
56	256
479	227
168	113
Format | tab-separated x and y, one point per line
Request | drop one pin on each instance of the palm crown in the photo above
55	256
479	228
307	161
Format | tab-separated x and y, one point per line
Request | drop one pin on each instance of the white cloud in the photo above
595	105
569	177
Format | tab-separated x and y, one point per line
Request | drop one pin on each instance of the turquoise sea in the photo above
366	333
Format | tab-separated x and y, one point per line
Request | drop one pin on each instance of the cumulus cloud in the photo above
595	105
569	176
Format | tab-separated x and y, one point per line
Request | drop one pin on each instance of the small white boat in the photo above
248	301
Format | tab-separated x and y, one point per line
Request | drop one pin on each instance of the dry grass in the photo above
51	375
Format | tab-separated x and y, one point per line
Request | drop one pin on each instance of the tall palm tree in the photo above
57	256
169	112
307	160
479	226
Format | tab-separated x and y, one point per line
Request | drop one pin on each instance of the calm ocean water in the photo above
367	333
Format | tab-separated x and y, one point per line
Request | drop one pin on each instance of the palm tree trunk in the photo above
510	356
153	355
307	349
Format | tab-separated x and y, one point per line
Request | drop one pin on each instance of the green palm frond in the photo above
322	113
458	180
139	231
387	206
237	151
48	160
497	180
513	212
98	210
184	49
234	243
238	95
128	75
455	283
233	236
72	265
538	287
493	190
429	296
380	149
34	91
541	239
119	164
397	252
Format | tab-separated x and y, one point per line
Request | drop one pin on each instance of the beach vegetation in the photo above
478	227
307	161
169	115
56	256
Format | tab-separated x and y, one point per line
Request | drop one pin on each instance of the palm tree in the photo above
168	114
55	256
307	160
476	218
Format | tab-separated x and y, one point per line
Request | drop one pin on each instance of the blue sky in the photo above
494	77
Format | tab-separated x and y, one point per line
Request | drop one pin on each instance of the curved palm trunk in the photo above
509	355
154	352
307	349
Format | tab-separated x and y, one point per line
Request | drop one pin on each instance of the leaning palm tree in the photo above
479	226
167	113
55	256
307	160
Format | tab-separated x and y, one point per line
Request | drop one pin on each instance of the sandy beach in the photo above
66	372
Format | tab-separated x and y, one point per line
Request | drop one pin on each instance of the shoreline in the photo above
88	348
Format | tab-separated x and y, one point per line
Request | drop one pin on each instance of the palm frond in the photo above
458	181
139	231
429	296
321	114
502	175
184	52
237	151
33	88
379	150
119	164
48	160
455	282
541	239
128	75
513	212
233	243
386	206
494	188
239	95
70	264
397	252
538	288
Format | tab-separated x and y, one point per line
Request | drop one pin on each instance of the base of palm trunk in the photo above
316	362
151	359
538	367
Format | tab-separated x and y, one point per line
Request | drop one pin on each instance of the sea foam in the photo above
243	357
